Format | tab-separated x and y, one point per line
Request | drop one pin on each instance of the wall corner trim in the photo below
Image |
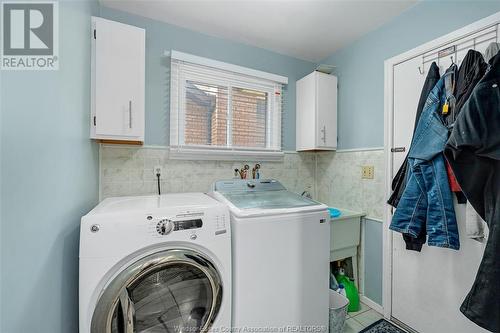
352	150
374	219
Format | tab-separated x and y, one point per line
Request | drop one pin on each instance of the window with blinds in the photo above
213	109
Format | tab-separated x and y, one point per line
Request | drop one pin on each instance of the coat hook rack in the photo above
464	42
421	69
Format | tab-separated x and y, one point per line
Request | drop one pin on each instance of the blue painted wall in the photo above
49	180
162	37
373	260
360	66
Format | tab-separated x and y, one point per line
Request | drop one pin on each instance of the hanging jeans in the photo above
399	181
427	200
473	151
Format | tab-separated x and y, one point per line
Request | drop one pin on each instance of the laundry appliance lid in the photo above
262	197
184	201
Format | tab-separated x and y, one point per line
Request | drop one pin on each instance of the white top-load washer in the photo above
155	264
280	257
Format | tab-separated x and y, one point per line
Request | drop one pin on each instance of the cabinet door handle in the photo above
324	134
129	114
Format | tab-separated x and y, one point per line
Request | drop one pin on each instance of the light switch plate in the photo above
367	172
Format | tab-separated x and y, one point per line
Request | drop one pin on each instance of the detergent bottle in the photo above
333	282
341	290
350	290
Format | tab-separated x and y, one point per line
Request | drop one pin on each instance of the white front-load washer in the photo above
281	254
155	264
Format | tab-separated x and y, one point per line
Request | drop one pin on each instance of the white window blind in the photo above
214	111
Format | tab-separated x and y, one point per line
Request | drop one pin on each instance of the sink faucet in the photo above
306	194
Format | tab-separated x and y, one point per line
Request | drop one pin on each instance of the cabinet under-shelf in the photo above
120	142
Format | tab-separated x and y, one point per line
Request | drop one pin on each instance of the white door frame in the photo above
389	64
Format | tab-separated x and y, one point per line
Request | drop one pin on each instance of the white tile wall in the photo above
129	171
339	181
335	177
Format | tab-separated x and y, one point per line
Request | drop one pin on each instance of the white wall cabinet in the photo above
118	71
316	121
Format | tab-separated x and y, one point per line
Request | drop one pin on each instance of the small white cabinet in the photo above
316	122
118	63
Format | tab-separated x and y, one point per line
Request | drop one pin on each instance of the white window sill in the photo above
213	154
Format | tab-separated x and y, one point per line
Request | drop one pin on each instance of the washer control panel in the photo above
164	227
220	224
182	222
188	224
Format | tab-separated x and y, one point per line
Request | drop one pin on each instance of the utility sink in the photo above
345	234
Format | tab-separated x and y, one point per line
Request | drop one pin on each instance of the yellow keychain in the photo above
445	108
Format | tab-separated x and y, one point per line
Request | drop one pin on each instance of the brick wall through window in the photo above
206	116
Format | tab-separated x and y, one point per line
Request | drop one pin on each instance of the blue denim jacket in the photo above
427	200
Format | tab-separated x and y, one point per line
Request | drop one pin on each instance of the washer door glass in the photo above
177	291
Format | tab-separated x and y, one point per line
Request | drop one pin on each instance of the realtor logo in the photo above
29	36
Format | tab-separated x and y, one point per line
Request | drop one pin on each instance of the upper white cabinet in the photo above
118	61
316	112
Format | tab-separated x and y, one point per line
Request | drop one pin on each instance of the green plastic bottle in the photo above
350	289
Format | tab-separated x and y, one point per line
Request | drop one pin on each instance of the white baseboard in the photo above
372	304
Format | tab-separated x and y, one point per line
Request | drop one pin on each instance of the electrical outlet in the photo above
157	170
367	171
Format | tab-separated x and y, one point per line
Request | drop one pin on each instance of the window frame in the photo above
197	69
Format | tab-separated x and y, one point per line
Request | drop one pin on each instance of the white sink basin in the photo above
345	234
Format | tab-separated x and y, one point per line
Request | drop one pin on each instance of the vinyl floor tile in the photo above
362	308
352	326
367	318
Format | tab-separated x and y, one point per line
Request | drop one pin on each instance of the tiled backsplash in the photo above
339	181
130	171
332	177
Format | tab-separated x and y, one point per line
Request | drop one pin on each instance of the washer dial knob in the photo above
164	227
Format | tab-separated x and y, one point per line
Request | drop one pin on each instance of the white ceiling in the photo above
306	29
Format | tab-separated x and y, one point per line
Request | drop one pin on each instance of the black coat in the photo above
473	151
